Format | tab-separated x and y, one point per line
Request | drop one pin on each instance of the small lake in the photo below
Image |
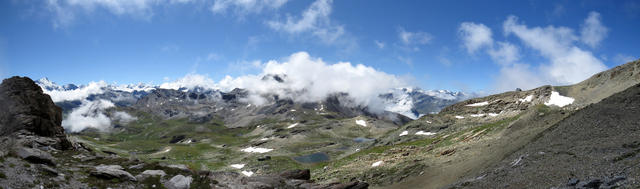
362	139
313	158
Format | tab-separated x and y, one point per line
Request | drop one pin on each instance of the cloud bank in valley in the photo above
567	61
305	79
92	114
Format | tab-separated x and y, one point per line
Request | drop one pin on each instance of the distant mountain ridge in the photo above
410	102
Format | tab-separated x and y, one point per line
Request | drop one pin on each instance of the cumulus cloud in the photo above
123	117
567	63
306	79
475	36
65	11
315	19
593	31
412	39
505	53
518	76
245	7
191	81
76	94
90	114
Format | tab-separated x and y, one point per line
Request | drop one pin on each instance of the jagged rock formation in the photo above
26	107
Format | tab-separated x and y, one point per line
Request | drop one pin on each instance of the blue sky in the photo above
430	44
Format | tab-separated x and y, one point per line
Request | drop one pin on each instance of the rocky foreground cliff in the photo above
37	154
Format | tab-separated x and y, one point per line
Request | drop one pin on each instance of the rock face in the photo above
26	107
179	182
596	147
112	171
35	156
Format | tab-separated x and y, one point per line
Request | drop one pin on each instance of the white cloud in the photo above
306	79
506	53
568	63
77	94
90	114
190	81
475	36
517	76
623	58
244	7
379	44
412	39
593	31
65	11
315	19
123	117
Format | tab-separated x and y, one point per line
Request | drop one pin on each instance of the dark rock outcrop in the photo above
26	107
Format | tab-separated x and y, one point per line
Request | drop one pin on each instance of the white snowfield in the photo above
478	104
404	133
425	133
558	100
361	122
247	173
526	99
256	150
493	114
477	115
377	163
292	125
459	117
237	166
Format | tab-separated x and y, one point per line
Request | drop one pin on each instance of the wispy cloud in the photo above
413	39
379	44
65	12
315	20
593	31
245	7
623	58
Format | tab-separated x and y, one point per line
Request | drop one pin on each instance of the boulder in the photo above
150	173
296	174
26	107
35	156
111	172
179	182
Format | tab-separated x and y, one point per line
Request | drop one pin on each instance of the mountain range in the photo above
576	136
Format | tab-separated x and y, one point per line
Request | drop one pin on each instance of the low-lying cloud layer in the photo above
305	79
92	114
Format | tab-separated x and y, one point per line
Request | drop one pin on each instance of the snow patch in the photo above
493	114
377	163
361	122
478	104
292	125
558	100
526	99
477	115
256	150
237	166
425	133
459	117
404	133
247	173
